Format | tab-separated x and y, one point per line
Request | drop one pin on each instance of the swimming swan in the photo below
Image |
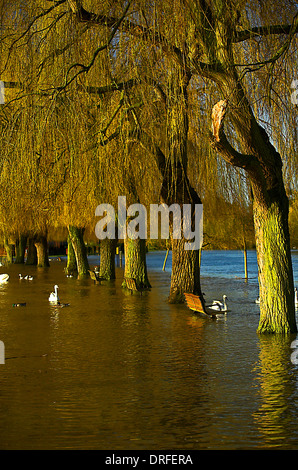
54	295
4	277
219	306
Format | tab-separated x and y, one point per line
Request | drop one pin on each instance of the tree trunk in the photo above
71	267
8	248
20	249
135	262
32	253
76	236
41	245
185	275
185	272
107	259
277	308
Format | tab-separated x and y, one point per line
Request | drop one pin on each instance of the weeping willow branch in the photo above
85	68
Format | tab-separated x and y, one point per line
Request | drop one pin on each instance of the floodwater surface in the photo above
116	371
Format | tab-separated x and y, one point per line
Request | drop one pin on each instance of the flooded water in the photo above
115	371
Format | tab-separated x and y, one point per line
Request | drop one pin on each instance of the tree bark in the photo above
277	308
107	259
135	262
20	249
32	253
76	236
71	267
8	248
41	245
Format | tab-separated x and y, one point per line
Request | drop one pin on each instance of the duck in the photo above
54	295
21	277
61	305
257	301
28	278
296	297
219	306
4	277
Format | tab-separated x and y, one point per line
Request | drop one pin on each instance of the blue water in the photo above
221	264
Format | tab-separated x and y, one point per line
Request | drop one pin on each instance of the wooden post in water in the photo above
245	260
165	261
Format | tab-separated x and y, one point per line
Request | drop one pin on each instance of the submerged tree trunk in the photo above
76	236
32	253
107	258
185	277
20	249
9	250
185	272
135	262
277	308
71	267
41	245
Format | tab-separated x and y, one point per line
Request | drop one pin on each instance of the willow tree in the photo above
255	154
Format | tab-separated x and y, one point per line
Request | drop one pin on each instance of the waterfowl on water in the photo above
296	297
4	277
219	306
54	295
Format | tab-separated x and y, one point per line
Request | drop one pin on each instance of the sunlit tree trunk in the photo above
277	309
107	258
135	262
76	236
71	266
41	245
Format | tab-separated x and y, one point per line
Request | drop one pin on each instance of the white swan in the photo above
4	277
54	295
219	306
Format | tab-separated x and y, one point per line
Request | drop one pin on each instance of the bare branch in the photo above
267	30
220	143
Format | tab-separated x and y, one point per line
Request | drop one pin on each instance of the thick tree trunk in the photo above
185	272
41	245
76	236
185	276
71	267
20	249
8	248
135	262
32	253
277	308
107	259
